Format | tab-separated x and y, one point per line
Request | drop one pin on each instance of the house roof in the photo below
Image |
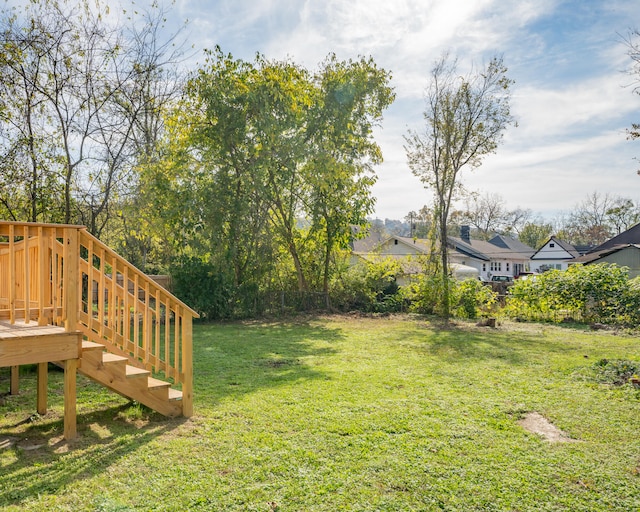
514	245
630	236
487	251
499	247
596	255
565	246
368	243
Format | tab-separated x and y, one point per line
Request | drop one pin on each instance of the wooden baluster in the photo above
71	271
158	318
136	317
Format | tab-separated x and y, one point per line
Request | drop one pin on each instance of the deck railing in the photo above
62	275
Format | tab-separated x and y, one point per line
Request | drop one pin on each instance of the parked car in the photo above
501	279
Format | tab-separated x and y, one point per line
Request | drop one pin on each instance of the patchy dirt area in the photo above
536	423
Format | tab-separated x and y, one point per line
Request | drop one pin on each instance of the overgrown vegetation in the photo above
325	414
591	293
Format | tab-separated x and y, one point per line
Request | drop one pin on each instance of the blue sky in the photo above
567	59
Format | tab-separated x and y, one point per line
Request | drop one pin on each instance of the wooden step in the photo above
90	345
109	358
135	372
175	394
114	372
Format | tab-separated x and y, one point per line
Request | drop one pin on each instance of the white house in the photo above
468	258
554	254
502	255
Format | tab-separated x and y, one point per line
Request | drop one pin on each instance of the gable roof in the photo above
565	246
374	243
498	248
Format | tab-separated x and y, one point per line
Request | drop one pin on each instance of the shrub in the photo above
473	298
425	293
204	287
593	293
368	287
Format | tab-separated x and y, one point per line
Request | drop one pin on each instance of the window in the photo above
552	245
507	267
496	266
484	267
395	242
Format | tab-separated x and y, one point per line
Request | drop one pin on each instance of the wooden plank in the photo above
17	350
12	275
26	274
42	388
70	367
42	275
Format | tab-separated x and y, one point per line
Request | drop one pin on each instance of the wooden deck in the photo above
66	297
30	343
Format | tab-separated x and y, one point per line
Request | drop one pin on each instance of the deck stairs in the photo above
119	374
135	335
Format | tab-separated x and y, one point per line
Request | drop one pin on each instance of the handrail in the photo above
61	274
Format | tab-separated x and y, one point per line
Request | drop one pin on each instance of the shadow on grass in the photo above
239	358
42	462
484	344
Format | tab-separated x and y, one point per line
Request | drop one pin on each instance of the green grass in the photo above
359	414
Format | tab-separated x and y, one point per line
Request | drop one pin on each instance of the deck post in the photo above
43	377
70	367
71	271
14	385
187	366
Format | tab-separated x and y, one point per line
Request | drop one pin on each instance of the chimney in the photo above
464	234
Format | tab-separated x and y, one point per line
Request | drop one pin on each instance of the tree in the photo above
622	214
465	119
535	234
632	42
287	155
486	213
75	92
348	102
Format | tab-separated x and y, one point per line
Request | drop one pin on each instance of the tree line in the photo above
237	177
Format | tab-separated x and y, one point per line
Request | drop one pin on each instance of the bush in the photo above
368	287
204	287
425	294
592	293
473	298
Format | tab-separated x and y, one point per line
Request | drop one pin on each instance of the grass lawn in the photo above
344	413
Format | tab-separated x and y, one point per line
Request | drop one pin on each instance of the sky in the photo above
572	99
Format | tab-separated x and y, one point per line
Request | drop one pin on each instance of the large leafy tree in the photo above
350	98
284	157
465	118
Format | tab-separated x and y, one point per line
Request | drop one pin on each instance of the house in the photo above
554	254
622	249
623	255
501	255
